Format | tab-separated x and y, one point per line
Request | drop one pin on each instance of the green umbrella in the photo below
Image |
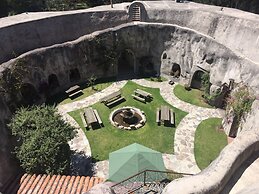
133	159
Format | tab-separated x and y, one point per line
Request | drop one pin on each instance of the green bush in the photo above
240	102
42	140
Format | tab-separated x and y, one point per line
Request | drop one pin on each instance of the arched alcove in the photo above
29	93
53	82
197	79
175	70
147	67
74	75
126	63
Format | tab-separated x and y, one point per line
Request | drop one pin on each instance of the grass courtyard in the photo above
209	141
108	139
194	96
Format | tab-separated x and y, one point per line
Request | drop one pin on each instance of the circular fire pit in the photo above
128	118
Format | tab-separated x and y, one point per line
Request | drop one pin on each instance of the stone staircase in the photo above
136	13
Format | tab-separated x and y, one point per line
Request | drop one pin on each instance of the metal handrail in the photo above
144	182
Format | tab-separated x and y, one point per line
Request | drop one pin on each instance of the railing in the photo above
147	181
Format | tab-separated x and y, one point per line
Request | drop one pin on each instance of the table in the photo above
111	96
143	93
165	113
90	116
72	89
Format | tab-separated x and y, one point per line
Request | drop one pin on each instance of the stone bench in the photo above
75	93
139	98
98	117
114	101
172	115
158	116
83	119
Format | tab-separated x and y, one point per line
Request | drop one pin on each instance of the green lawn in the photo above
209	141
194	96
108	139
62	98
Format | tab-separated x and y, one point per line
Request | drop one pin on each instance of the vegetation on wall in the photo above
42	140
11	79
240	102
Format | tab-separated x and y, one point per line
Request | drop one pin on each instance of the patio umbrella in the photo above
132	159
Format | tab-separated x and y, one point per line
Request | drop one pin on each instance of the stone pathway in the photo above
90	100
183	159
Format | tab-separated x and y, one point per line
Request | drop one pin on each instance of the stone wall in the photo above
236	29
8	166
215	177
21	37
158	45
149	42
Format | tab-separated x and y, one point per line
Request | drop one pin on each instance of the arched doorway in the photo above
29	94
53	82
126	63
175	70
197	79
74	75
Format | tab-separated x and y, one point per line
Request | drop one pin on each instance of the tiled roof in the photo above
50	184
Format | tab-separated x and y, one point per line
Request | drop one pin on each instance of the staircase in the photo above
136	13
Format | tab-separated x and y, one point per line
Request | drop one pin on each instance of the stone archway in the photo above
196	81
29	94
126	63
74	75
175	70
53	82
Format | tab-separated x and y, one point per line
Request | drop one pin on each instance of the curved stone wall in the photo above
215	177
46	29
158	44
148	42
236	29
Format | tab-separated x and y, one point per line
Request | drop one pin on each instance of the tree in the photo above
42	140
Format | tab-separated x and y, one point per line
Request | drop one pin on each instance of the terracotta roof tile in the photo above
70	184
80	185
41	181
60	184
50	184
55	184
85	187
75	185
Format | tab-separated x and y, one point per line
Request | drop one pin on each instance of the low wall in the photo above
215	177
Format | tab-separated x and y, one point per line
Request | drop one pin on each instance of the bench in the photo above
75	93
83	119
114	101
139	98
74	90
157	115
172	119
98	117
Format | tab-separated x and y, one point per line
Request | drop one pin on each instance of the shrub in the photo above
240	102
42	140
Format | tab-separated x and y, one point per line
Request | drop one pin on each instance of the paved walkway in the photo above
183	159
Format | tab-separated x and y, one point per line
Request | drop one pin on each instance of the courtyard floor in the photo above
183	159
